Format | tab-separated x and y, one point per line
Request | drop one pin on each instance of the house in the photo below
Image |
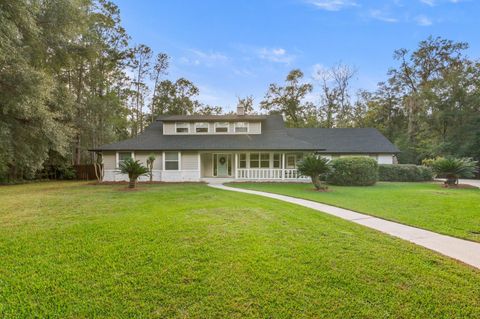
238	146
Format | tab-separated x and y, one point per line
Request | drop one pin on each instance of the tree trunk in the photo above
316	182
451	180
78	152
132	183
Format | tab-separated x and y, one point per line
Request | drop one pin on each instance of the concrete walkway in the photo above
472	182
462	250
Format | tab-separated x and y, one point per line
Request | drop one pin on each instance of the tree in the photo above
32	124
314	166
134	170
176	98
150	161
204	109
159	69
140	66
289	99
454	168
246	103
417	81
99	171
336	109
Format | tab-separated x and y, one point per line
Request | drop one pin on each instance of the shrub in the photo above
314	166
453	168
353	171
404	173
134	170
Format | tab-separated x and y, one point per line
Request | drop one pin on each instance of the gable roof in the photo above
274	136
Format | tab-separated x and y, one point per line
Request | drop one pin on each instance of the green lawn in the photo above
454	212
72	250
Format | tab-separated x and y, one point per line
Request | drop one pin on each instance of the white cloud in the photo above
198	57
430	3
332	5
423	21
382	16
278	55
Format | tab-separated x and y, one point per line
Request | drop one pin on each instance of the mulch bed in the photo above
459	186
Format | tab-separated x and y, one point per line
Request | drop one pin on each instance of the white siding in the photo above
385	159
255	128
109	160
189	161
207	168
168	128
142	157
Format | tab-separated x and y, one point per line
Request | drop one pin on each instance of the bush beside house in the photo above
404	173
353	171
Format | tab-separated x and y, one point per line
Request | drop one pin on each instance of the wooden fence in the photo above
84	172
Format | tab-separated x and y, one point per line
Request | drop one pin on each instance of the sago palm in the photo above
454	168
134	169
314	166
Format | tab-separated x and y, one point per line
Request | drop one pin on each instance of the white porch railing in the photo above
268	173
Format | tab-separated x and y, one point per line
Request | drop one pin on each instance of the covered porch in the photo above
254	165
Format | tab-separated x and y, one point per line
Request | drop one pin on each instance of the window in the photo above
201	127
221	127
291	161
265	160
123	156
171	161
277	161
181	127
242	161
241	127
259	160
254	160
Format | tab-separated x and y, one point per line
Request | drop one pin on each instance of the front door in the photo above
223	165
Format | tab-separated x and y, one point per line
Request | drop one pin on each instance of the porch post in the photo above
199	166
283	165
236	165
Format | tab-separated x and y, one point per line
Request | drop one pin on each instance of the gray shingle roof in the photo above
274	137
344	140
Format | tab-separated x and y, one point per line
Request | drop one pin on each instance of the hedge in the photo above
404	173
353	171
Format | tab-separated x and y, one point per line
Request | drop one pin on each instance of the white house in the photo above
238	147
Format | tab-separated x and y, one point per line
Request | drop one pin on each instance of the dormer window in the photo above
201	127
221	127
241	127
181	127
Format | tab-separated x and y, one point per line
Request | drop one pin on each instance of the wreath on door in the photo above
222	160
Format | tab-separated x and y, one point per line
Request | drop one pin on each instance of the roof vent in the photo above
240	110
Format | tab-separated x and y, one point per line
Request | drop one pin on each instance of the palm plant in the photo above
314	166
150	160
134	169
454	168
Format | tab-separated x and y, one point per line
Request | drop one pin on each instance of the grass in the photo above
454	212
73	250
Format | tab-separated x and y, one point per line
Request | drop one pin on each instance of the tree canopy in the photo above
71	80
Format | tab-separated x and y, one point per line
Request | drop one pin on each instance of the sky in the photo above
235	48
